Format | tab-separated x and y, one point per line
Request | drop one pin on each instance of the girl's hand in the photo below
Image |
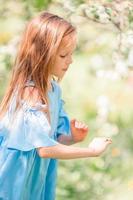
79	130
99	145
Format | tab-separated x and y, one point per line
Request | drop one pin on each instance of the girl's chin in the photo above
59	77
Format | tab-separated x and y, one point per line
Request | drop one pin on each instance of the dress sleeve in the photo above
30	129
63	121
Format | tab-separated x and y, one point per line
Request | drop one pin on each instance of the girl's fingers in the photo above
73	121
80	124
85	128
108	140
77	124
82	127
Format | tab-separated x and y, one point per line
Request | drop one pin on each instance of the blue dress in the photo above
23	174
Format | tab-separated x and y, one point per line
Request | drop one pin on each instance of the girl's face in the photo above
64	55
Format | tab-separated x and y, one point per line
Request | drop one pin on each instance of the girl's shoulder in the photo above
54	83
34	100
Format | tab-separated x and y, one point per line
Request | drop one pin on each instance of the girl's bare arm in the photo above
64	152
60	151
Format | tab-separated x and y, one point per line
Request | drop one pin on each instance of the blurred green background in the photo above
97	90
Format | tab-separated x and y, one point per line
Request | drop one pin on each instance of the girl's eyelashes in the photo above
63	56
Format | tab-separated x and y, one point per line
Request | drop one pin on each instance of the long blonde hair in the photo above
36	56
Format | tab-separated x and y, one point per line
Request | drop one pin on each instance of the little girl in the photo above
35	130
